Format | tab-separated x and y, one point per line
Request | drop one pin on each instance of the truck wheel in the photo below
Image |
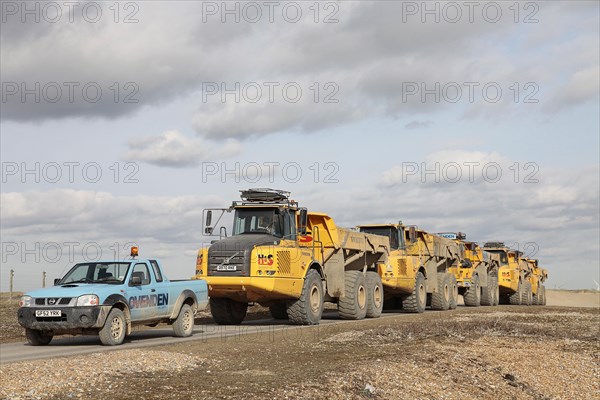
374	295
453	292
278	310
114	329
472	296
227	311
543	293
308	309
516	299
37	338
496	292
354	304
488	292
528	294
417	301
440	300
184	324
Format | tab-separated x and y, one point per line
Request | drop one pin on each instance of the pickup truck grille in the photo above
227	262
53	301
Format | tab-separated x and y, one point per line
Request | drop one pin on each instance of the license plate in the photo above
226	268
47	313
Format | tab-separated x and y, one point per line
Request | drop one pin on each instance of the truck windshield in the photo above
502	253
390	232
258	220
97	272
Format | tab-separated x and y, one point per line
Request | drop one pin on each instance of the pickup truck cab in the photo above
107	298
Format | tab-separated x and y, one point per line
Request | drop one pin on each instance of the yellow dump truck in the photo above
537	278
418	269
283	257
513	275
476	274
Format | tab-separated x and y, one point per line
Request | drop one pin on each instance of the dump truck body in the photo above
269	264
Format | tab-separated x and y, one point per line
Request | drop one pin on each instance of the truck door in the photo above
166	297
142	303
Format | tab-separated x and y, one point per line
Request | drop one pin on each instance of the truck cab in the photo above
107	298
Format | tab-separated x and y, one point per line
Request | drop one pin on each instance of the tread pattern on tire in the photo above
439	301
348	306
516	299
227	312
527	294
299	311
372	280
411	303
453	292
488	293
105	333
178	328
472	296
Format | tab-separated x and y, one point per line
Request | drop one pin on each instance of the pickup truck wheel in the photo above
354	304
278	310
227	311
37	338
453	292
472	296
417	301
114	329
184	324
440	300
374	295
308	309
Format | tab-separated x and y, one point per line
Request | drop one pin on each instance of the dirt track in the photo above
568	298
514	352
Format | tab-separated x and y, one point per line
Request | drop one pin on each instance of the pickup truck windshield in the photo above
95	272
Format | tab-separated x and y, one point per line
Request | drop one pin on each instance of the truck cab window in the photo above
156	270
141	270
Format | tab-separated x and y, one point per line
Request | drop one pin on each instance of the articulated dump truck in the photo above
476	274
290	260
537	278
418	271
514	275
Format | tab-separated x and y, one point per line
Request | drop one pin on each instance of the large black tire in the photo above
417	300
453	292
308	309
440	300
542	290
114	329
528	294
374	295
227	311
496	292
37	338
183	326
516	299
472	295
278	310
488	293
354	303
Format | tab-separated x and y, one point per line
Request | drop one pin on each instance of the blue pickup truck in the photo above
107	298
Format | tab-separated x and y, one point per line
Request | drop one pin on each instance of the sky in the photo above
121	121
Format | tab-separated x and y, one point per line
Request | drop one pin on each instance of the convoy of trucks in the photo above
292	261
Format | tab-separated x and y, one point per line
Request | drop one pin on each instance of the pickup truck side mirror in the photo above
56	280
135	281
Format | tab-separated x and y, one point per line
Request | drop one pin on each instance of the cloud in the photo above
418	124
173	149
371	54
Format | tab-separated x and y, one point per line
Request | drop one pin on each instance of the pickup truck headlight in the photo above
87	300
26	301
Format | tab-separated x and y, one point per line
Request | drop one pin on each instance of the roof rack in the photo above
494	245
265	196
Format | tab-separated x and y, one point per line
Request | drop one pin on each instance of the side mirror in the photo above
208	218
303	222
412	234
135	281
208	230
56	280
